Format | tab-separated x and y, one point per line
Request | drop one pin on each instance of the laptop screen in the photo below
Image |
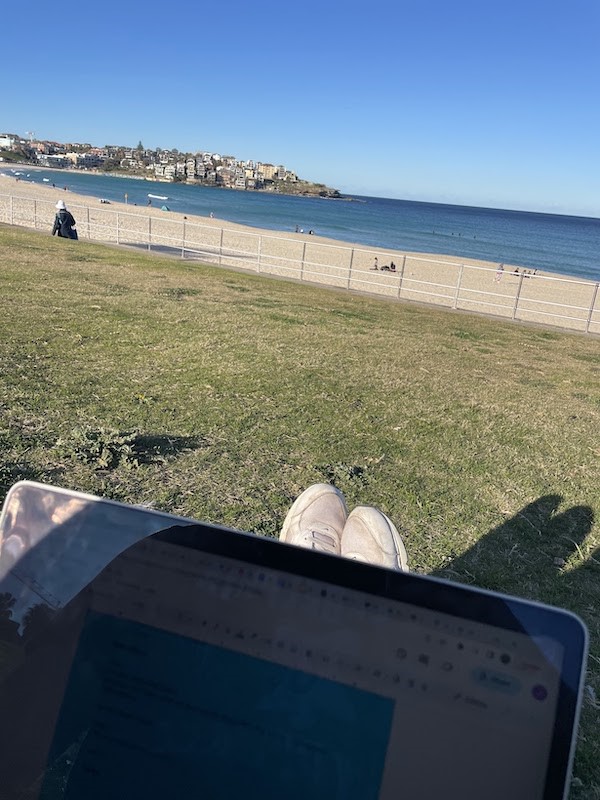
213	664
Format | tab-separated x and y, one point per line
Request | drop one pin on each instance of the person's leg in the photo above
370	536
316	519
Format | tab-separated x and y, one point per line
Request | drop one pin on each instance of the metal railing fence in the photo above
519	296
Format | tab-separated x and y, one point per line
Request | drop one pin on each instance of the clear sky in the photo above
477	102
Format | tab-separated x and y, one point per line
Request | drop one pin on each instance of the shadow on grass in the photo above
528	555
106	449
13	471
149	448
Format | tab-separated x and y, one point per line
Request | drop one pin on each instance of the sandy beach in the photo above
460	284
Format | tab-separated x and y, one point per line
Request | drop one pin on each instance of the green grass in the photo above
222	395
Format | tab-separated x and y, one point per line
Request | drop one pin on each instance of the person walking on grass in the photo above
64	222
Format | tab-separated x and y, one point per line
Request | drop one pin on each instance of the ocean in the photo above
550	242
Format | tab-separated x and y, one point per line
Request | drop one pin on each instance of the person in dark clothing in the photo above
64	222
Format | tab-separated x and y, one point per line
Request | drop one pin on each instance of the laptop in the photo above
150	656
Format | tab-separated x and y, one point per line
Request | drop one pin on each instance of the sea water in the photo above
555	243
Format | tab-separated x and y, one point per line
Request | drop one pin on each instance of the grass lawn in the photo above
221	395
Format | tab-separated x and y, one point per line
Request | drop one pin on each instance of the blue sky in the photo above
471	101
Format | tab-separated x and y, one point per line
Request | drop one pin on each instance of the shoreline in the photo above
280	213
460	284
46	193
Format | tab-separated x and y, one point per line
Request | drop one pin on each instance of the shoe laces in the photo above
321	537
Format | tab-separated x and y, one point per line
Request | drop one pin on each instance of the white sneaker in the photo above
370	536
316	519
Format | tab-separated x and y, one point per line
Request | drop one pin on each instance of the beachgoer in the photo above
499	273
319	520
392	267
64	222
385	268
375	264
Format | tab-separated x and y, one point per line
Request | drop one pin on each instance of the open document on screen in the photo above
189	715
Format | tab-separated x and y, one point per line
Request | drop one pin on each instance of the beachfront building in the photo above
190	169
266	171
86	160
7	142
53	161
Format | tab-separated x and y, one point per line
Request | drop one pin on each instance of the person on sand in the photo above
499	273
392	267
375	264
64	222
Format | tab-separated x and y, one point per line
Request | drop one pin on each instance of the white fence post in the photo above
149	233
89	230
302	263
183	239
12	215
35	215
221	247
514	314
350	268
592	305
402	266
458	283
259	253
118	228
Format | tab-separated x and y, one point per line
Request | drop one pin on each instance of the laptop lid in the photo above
207	662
